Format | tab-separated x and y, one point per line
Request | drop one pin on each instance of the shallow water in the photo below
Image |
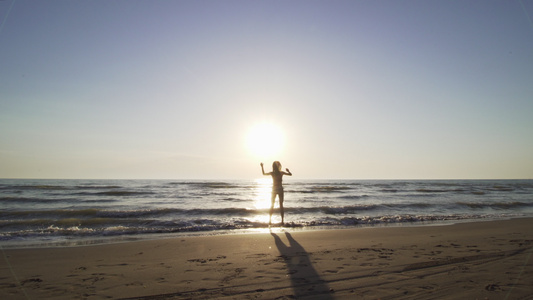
41	212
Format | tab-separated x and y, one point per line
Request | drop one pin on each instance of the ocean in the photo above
79	212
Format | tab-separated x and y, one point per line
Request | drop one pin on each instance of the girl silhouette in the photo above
277	188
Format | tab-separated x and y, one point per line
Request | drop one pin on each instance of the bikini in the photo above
277	189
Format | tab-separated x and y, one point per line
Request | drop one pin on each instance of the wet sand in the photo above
480	260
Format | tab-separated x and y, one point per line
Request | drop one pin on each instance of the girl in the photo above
277	188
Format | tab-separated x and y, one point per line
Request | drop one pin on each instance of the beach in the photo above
477	260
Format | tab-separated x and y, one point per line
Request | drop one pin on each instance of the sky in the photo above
355	89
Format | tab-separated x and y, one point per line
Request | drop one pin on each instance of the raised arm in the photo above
288	172
263	170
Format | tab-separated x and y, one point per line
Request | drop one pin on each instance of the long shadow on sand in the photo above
304	278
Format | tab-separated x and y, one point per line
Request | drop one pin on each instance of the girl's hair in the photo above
276	166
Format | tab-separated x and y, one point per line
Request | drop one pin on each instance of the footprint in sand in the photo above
32	281
205	260
135	283
256	256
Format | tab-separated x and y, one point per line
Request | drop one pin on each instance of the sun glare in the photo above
265	140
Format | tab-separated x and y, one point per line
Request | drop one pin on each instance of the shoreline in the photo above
489	259
119	239
81	212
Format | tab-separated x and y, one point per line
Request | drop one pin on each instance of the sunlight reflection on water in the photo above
261	200
262	193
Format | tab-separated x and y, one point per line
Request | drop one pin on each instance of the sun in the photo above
265	140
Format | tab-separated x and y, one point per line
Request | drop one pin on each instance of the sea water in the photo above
70	212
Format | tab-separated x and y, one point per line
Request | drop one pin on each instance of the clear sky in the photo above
356	89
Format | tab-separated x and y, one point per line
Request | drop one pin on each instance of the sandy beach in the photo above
480	260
